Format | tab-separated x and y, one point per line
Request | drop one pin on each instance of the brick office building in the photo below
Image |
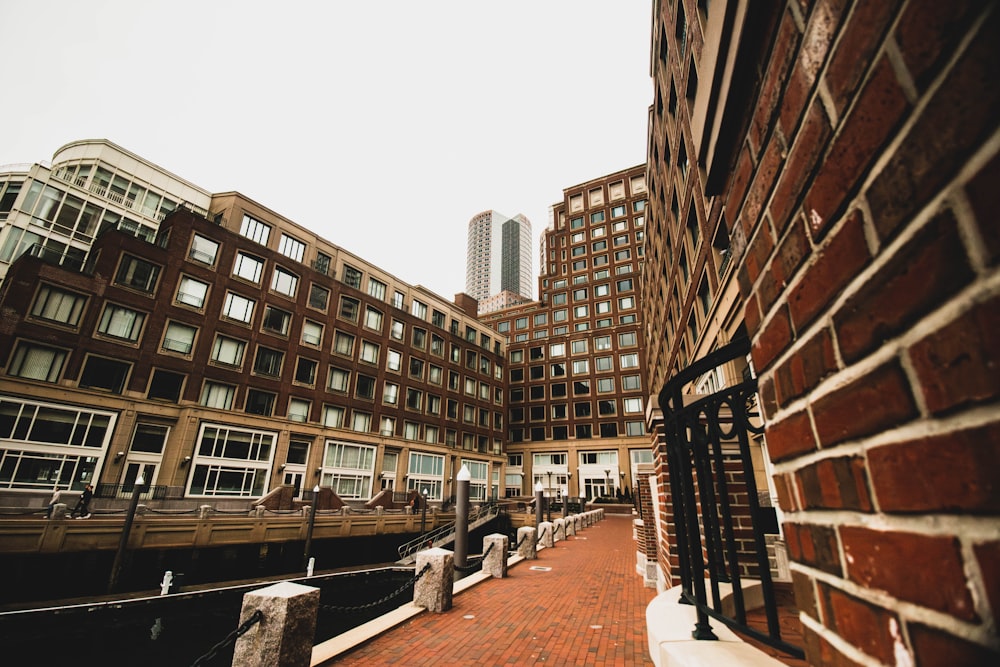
223	356
576	397
823	177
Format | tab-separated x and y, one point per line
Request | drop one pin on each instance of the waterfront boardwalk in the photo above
586	607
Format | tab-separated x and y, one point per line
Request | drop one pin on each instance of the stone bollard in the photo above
545	536
285	634
379	510
257	512
203	511
59	511
433	590
560	530
527	547
495	562
140	509
570	525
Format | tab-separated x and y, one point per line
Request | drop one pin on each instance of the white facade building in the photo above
498	257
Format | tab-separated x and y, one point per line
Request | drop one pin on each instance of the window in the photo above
350	308
626	303
580	367
322	263
238	308
255	230
179	338
119	322
275	320
631	383
629	360
625	285
338	380
268	362
603	364
137	274
298	409
305	371
635	428
343	343
107	374
627	339
284	282
579	346
312	333
437	345
165	385
419	310
394	361
260	402
203	250
352	276
319	297
419	338
605	385
580	312
58	305
369	352
414	399
435	374
376	288
361	421
559	315
373	319
521	323
364	387
390	393
632	405
398	300
291	248
333	416
228	351
416	367
248	267
618	211
396	330
191	292
217	395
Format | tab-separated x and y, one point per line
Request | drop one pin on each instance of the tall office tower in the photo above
575	363
498	260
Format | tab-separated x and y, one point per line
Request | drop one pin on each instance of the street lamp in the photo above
423	516
116	567
565	505
548	503
621	485
309	530
607	476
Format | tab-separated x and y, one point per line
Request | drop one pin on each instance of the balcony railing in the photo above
714	495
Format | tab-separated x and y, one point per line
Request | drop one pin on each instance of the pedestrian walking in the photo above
56	493
83	505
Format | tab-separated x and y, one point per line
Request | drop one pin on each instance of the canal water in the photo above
178	629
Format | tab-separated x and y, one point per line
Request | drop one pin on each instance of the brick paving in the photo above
589	609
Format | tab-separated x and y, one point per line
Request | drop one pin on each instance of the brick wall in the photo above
869	199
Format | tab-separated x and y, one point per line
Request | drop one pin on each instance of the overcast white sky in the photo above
384	126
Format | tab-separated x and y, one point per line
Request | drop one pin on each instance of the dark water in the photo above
178	629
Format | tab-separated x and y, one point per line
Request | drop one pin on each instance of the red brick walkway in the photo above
589	609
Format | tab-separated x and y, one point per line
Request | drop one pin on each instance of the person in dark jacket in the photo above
83	505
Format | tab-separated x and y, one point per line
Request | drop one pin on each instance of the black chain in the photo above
521	541
255	618
363	607
479	560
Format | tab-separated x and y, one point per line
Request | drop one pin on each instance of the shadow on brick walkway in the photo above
587	607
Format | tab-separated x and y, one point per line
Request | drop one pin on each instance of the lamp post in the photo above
548	503
309	530
565	507
607	476
621	484
423	515
116	567
538	503
463	479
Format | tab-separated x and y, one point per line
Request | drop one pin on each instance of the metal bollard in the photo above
168	579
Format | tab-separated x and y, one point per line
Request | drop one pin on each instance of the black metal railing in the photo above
103	490
708	444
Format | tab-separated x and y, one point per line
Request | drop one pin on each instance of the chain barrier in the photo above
520	541
371	605
36	510
283	512
478	560
150	510
255	618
